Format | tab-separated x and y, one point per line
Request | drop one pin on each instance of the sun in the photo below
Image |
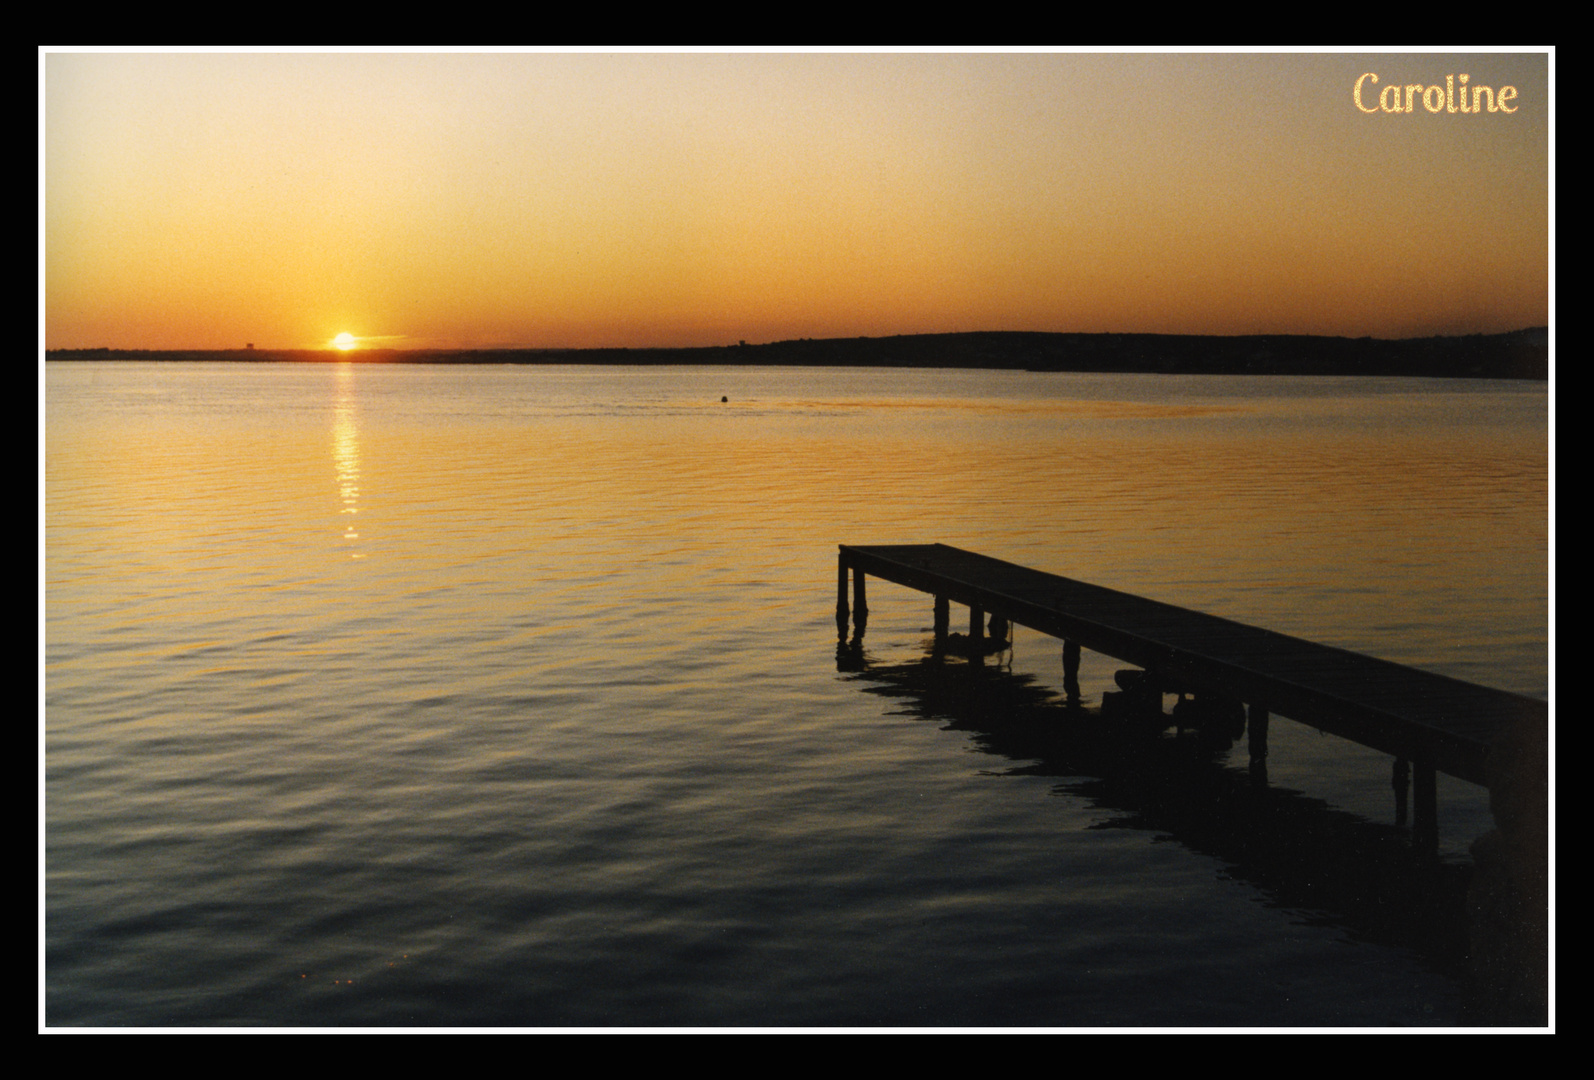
344	341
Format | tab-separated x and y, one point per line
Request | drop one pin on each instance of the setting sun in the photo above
344	341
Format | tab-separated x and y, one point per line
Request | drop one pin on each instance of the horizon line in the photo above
741	344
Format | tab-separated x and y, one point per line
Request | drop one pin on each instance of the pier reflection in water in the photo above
1301	853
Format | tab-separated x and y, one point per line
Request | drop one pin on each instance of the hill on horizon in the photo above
1519	354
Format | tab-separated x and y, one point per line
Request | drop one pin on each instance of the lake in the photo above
402	695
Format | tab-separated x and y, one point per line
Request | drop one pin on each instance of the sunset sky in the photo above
433	200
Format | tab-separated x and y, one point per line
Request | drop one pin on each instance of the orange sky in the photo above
203	200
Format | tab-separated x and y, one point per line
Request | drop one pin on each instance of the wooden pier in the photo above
1430	723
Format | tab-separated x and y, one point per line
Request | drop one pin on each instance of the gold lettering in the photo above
1435	98
1356	94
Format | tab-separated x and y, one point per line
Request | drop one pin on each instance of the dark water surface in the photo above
510	696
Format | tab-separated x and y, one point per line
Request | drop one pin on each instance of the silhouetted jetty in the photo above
1430	723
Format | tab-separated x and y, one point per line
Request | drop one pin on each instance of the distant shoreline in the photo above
1520	354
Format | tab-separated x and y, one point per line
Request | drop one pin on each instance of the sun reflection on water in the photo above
346	452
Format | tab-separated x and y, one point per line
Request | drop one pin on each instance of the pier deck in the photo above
1432	721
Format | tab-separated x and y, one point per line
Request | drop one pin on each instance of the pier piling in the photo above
1071	672
1425	806
842	614
1256	729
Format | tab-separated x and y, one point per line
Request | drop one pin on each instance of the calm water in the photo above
511	696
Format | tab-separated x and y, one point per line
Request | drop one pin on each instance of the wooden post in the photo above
841	597
1401	781
998	628
860	606
1256	725
1425	814
943	616
1071	671
976	626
